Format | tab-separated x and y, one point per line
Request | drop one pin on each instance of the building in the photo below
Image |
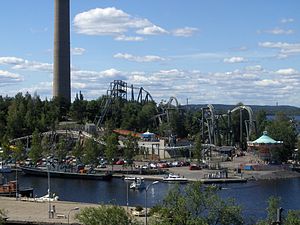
264	146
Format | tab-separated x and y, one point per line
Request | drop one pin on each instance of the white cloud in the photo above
86	75
254	68
152	30
147	58
77	51
112	21
22	64
185	32
235	59
287	20
287	72
279	31
267	82
43	89
7	78
285	49
128	38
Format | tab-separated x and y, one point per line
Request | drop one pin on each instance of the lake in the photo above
252	196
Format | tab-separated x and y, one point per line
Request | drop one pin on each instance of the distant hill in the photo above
270	110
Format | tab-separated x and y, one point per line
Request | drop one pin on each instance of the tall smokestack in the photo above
61	75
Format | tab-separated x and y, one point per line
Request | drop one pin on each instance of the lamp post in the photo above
49	192
146	190
127	195
74	209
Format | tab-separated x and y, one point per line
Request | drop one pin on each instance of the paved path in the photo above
38	211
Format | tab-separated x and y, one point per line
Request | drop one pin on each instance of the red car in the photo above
120	162
195	167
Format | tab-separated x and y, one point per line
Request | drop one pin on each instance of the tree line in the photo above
25	114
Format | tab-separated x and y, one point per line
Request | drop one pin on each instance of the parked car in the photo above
195	167
120	162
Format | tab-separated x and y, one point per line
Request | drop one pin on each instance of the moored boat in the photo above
175	178
138	184
131	178
62	174
4	168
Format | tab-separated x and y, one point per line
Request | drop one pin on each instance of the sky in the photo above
199	51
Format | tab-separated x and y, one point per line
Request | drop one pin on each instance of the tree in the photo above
78	108
78	150
292	218
36	148
282	129
198	148
131	147
261	121
105	215
62	149
111	147
196	204
2	216
18	151
91	151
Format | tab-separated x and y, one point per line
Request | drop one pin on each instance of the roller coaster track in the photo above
210	123
119	89
71	133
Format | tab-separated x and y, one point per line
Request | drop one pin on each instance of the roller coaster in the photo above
212	131
214	127
119	89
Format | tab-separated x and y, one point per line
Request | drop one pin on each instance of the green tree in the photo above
196	204
91	151
198	148
261	121
62	149
18	151
36	148
131	147
105	215
78	108
111	147
2	216
293	217
282	129
78	150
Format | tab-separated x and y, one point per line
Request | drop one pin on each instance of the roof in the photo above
265	139
126	132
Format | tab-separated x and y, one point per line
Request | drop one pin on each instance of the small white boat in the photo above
138	184
4	168
175	178
133	178
46	198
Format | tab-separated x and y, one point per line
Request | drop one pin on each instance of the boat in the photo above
4	168
131	178
46	198
175	178
138	184
62	174
8	189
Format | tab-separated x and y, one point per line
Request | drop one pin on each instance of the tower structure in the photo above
61	73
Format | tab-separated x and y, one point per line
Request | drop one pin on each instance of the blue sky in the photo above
212	51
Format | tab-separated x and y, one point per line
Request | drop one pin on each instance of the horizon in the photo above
208	51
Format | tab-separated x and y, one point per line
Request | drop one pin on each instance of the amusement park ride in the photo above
214	127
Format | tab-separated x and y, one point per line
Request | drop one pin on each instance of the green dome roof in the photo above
265	139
